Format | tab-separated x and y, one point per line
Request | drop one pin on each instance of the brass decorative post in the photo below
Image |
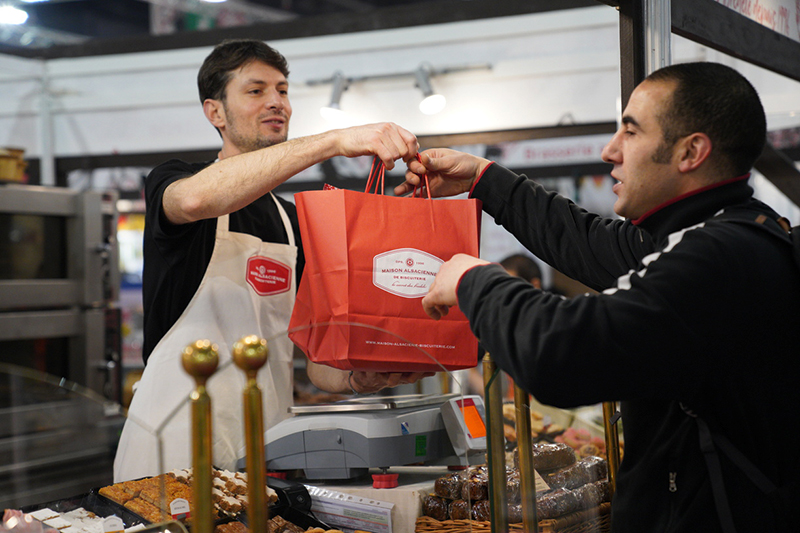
527	474
496	446
250	354
610	419
200	360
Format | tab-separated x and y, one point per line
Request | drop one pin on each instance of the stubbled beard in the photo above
663	153
245	143
250	144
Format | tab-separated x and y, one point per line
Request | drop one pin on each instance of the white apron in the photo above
248	289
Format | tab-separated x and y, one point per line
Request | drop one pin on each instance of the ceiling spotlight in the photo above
332	111
12	15
432	103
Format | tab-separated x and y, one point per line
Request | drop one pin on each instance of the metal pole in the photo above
527	474
47	164
200	360
250	354
493	393
610	418
657	34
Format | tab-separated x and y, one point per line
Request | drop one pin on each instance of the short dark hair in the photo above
716	100
523	265
229	55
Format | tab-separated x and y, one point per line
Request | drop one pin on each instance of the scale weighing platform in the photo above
343	440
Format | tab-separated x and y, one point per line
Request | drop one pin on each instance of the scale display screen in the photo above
464	420
472	418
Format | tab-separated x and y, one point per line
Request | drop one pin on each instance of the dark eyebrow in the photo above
256	81
629	120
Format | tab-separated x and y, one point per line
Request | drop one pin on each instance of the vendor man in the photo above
221	260
695	327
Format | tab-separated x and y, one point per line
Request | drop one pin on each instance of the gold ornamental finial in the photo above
200	359
250	354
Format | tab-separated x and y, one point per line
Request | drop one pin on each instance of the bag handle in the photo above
427	184
376	174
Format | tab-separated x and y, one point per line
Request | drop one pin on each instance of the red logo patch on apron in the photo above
268	276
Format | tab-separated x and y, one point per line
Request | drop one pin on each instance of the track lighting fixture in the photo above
432	103
332	111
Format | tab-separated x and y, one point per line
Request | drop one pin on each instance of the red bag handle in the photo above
376	174
427	184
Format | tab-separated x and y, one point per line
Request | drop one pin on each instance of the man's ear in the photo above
693	150
215	112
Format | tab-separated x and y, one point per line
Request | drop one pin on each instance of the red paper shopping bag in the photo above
370	259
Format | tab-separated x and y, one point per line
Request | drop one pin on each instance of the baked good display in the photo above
476	484
459	510
77	520
481	511
579	486
231	527
587	470
556	503
449	486
435	507
276	524
584	444
593	494
549	456
541	426
228	492
146	510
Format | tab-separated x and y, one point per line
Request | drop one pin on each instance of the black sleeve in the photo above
644	338
584	246
175	255
154	186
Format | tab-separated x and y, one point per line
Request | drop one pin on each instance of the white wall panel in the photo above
542	67
546	69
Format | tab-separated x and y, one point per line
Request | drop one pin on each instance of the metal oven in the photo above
59	284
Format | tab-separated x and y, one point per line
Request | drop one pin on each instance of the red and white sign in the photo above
405	272
267	276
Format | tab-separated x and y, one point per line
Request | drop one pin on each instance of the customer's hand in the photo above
442	293
450	172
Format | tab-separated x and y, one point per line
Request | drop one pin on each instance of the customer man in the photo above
220	256
695	325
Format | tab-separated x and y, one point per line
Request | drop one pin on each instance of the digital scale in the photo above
343	440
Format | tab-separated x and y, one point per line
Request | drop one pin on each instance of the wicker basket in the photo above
597	520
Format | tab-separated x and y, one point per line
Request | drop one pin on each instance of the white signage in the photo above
405	272
782	16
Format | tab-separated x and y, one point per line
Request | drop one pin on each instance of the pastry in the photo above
435	507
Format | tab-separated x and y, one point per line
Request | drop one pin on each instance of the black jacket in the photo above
697	306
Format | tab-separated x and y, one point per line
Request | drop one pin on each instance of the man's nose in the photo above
273	100
610	153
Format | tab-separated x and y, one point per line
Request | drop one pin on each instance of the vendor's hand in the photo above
449	172
442	293
369	382
386	140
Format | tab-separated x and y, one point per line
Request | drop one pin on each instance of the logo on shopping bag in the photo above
405	272
267	276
